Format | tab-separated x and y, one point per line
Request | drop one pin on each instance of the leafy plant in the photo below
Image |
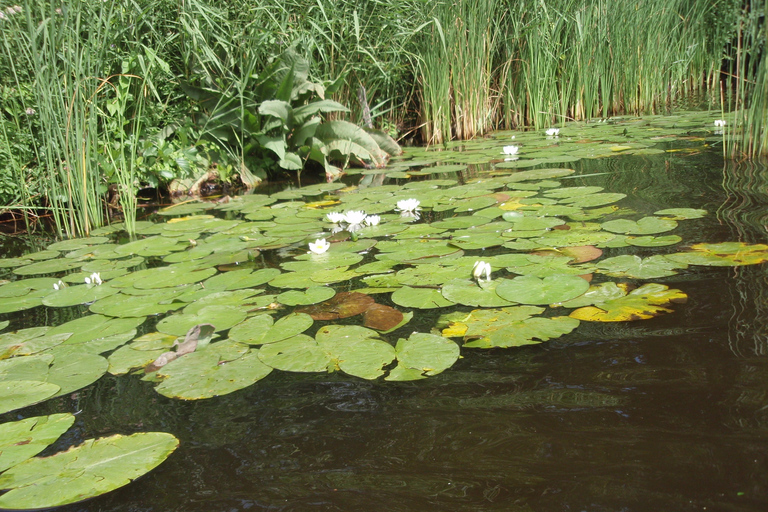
283	115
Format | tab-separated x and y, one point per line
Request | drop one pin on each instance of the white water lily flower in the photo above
408	205
481	268
95	278
372	220
319	246
553	132
59	286
354	217
720	123
511	150
335	217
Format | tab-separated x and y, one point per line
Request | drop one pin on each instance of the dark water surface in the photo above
657	415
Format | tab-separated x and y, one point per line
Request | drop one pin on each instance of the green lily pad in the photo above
423	355
509	327
312	295
91	469
355	350
548	265
95	327
73	368
30	300
20	440
47	267
653	241
77	243
233	298
260	330
80	294
238	279
644	226
15	394
420	298
222	317
629	265
426	275
24	286
538	291
140	306
470	293
592	200
298	353
599	292
219	369
29	341
648	301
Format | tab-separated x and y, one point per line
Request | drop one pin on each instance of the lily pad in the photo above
681	213
629	265
298	353
423	355
91	469
311	295
420	298
648	301
15	394
509	327
342	305
644	226
222	317
221	368
80	294
47	267
470	293
540	291
29	341
355	350
726	254
20	440
261	330
381	317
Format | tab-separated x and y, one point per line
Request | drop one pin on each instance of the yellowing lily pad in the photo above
648	301
726	254
20	440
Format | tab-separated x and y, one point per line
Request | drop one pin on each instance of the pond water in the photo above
669	413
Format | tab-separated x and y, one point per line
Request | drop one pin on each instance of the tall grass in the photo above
70	57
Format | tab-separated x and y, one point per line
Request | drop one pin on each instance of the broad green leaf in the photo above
219	369
238	279
600	292
420	298
653	241
423	355
312	295
644	226
298	353
681	213
233	298
73	368
95	467
355	350
20	440
260	330
628	265
47	267
15	394
139	306
222	317
538	291
471	293
95	327
29	341
80	294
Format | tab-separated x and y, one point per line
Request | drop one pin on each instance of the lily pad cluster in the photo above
329	278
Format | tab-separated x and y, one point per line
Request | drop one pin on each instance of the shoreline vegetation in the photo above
101	99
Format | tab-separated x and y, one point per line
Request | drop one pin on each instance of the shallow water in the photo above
663	414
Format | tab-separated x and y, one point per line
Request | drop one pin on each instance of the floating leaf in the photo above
15	394
421	355
80	294
470	293
538	291
95	467
648	301
644	226
221	368
681	213
29	341
628	265
653	241
95	327
20	440
381	317
420	298
73	368
238	279
509	327
355	350
342	305
298	353
311	295
260	330
600	292
47	267
223	317
726	254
